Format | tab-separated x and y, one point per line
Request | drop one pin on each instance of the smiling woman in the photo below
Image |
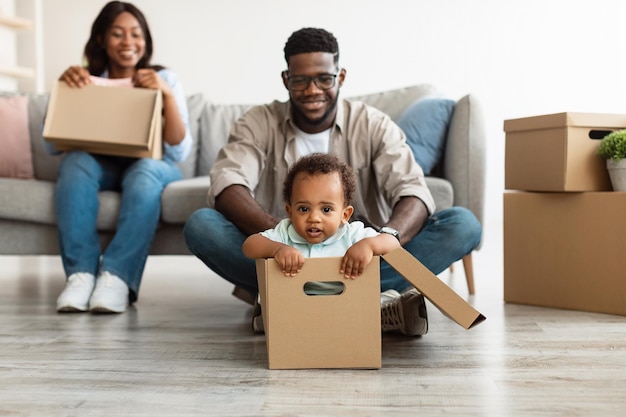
119	48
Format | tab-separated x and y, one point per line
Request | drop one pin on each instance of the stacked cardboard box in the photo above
563	226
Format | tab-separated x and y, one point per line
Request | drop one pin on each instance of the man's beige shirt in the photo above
262	147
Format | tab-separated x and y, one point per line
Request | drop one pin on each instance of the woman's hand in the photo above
173	127
76	76
148	78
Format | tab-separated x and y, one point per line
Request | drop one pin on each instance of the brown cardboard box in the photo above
321	331
107	120
558	152
566	250
340	331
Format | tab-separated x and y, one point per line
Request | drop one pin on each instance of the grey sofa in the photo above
27	220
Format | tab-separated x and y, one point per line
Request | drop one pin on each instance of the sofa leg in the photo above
469	272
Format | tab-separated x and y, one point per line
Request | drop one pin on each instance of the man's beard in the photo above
298	114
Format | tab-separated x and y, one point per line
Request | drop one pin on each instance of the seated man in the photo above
392	195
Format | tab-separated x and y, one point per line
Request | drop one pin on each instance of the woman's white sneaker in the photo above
75	296
110	295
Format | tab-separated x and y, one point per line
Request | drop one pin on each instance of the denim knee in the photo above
472	230
152	171
196	228
76	163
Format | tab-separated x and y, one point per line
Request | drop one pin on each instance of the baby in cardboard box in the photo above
318	191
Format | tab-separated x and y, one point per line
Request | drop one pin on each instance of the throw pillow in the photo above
425	124
16	160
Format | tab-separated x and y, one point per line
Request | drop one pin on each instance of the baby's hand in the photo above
290	260
356	259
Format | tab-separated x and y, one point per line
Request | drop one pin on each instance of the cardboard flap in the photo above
438	293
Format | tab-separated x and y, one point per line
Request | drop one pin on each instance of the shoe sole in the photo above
106	310
257	319
257	325
71	309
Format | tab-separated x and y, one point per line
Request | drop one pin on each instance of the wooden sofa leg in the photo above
469	272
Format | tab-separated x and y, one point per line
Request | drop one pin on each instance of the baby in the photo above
318	192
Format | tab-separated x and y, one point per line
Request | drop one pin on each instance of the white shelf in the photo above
16	22
17	72
23	69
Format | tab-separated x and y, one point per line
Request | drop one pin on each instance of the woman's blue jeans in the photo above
141	182
446	237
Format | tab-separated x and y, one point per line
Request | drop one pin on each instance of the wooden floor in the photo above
186	349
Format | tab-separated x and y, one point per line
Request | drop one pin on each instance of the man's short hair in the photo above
311	40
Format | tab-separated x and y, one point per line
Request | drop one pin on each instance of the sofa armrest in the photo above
465	155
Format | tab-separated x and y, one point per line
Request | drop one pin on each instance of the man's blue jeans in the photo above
141	181
446	237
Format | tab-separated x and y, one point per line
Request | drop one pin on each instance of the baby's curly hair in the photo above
311	40
321	163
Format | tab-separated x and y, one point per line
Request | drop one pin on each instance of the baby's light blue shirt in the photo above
336	245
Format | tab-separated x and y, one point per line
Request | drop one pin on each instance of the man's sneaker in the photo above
110	295
243	295
75	296
257	317
404	312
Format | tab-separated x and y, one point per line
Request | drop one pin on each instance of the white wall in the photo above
7	46
520	57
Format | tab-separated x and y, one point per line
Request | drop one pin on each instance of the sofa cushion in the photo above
181	198
45	165
395	102
33	201
16	156
195	107
215	125
442	192
425	124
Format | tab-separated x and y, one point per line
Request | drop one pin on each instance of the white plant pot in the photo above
617	173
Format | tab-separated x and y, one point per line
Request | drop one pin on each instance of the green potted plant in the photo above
613	149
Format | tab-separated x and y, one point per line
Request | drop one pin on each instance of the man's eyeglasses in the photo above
301	82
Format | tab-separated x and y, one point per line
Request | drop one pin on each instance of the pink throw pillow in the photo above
16	159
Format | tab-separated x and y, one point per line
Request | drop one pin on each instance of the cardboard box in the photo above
566	250
105	120
340	331
558	152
